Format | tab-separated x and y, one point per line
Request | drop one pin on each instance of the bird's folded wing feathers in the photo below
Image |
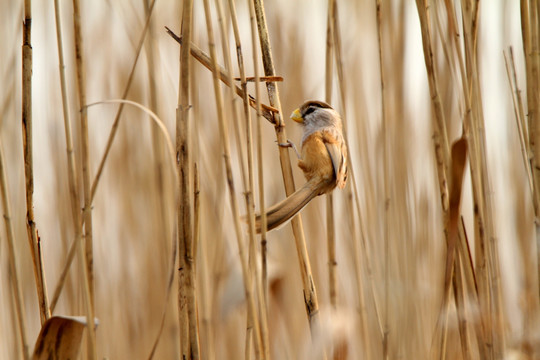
336	149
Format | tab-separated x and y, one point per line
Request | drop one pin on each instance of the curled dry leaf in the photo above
60	338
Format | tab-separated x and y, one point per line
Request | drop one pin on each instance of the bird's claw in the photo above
290	144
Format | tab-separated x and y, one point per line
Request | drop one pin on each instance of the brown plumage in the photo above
323	159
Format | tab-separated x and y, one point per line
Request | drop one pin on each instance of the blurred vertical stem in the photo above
72	177
310	293
87	209
260	352
162	215
387	200
33	238
442	158
86	258
13	273
330	227
260	173
189	334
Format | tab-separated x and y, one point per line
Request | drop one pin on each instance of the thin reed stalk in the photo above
330	223
187	306
72	177
162	216
85	150
27	141
260	174
520	117
386	190
12	259
260	352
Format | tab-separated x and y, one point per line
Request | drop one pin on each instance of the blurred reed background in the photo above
391	227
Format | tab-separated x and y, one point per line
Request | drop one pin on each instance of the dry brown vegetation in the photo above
429	252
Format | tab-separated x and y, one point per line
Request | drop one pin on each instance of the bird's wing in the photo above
338	154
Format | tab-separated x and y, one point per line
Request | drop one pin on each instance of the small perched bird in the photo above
323	159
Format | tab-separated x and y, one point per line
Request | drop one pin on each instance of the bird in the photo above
323	160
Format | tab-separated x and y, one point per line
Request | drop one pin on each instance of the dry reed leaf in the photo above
60	338
459	158
458	161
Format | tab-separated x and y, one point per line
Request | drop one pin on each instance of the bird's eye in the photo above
309	110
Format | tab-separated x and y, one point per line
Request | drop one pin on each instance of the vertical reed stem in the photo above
81	90
33	238
189	335
330	227
86	256
387	200
260	173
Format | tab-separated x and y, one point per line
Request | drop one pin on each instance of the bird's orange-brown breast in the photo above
315	162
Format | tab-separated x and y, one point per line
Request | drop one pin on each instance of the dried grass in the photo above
406	265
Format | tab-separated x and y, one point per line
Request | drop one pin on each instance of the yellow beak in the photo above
297	116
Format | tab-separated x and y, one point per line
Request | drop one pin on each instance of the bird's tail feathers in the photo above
283	211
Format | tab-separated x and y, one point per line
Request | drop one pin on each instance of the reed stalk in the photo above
386	185
187	306
162	215
80	67
330	222
27	141
260	174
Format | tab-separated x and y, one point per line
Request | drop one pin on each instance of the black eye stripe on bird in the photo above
309	110
311	106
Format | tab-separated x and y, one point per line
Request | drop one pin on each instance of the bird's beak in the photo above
297	116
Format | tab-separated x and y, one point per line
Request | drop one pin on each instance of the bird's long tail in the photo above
286	209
